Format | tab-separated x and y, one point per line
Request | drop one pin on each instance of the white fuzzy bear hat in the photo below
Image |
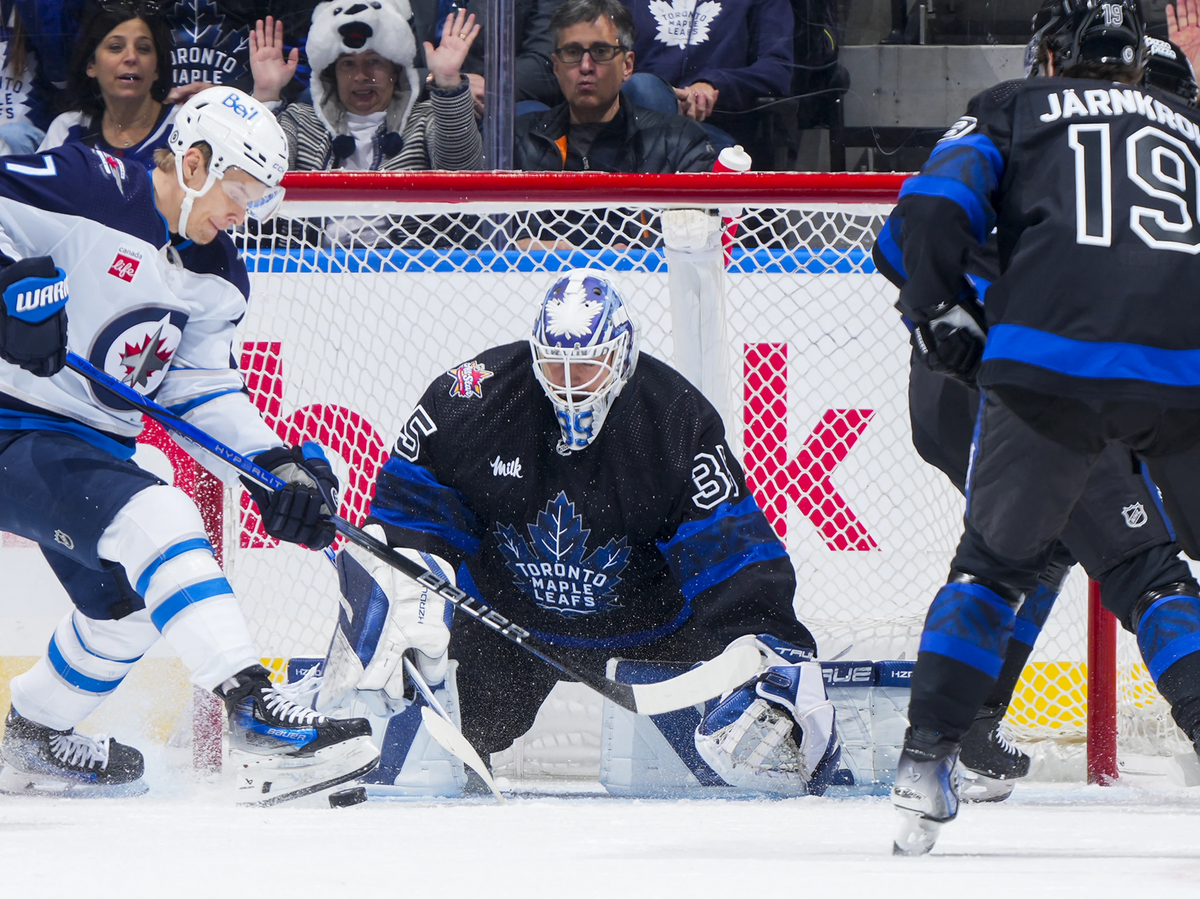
346	26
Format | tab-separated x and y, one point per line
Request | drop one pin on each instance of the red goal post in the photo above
369	286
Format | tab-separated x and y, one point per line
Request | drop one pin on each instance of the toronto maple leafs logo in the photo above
683	22
572	316
468	380
554	569
206	48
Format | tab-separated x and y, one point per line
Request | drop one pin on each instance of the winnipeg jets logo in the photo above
468	380
141	354
683	22
113	167
554	569
1135	516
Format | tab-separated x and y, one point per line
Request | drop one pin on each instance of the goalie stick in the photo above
726	671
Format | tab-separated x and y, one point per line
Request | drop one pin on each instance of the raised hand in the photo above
1183	27
271	71
446	61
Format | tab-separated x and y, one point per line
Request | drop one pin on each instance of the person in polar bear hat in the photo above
365	114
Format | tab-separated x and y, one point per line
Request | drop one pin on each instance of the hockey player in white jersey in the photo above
132	270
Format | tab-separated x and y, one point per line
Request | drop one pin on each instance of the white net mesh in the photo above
354	314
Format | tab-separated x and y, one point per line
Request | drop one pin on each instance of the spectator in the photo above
365	115
212	42
23	117
533	77
711	56
1183	28
117	85
596	129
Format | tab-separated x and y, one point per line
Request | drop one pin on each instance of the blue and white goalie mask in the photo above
585	349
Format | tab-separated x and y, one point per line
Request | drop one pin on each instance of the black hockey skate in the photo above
38	760
925	790
283	750
989	763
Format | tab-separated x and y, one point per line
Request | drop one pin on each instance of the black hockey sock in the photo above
1180	686
1014	663
946	694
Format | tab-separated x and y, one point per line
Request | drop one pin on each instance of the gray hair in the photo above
572	12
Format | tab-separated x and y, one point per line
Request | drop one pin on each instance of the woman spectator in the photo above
117	83
365	115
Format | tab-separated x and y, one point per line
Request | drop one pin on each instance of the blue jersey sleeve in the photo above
78	180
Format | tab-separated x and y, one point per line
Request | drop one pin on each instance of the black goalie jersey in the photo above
648	529
1094	191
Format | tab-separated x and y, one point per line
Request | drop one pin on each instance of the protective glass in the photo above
572	54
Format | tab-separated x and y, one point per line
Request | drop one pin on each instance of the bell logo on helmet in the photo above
234	103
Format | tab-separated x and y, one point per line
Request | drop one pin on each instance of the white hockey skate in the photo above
925	791
282	750
36	760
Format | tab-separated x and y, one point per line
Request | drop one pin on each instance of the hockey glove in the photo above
385	615
298	512
777	733
951	344
33	316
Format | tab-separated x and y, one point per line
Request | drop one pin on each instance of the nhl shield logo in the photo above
1135	516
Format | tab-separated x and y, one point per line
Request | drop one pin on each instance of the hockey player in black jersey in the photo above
587	491
943	404
1090	185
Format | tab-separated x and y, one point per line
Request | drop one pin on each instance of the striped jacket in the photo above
439	133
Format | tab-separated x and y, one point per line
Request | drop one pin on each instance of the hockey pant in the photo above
135	560
1025	491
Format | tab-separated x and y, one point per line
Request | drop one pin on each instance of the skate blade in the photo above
976	787
271	780
24	783
915	834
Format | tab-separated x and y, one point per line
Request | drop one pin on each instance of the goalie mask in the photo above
242	133
585	349
1101	31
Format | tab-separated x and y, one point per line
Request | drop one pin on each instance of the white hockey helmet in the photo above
242	134
583	324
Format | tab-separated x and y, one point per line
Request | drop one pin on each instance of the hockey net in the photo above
369	287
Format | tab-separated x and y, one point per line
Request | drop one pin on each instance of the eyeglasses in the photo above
572	54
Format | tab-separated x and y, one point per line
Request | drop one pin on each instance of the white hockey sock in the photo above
160	540
85	662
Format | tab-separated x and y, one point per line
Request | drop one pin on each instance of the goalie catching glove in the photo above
777	732
297	512
385	614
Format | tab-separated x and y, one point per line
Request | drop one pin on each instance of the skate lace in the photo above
80	751
1005	740
288	711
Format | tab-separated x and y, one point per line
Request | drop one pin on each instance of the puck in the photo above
347	798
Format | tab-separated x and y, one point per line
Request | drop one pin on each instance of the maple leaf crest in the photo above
553	567
199	23
572	316
683	22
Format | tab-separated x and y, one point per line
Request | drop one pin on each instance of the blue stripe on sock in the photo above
962	651
92	652
177	602
78	679
1172	653
1025	631
178	549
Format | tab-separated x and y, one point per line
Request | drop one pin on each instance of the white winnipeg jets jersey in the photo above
159	317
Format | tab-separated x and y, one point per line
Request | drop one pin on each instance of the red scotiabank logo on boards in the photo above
124	267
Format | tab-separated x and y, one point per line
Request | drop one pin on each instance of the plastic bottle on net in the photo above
731	159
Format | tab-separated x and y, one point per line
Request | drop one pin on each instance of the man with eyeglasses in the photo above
596	129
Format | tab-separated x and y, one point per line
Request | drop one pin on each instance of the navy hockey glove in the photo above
777	733
951	344
33	316
298	512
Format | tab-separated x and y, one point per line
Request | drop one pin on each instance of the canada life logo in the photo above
125	266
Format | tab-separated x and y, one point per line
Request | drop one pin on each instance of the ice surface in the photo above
186	838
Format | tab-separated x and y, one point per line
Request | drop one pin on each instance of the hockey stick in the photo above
726	671
443	729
